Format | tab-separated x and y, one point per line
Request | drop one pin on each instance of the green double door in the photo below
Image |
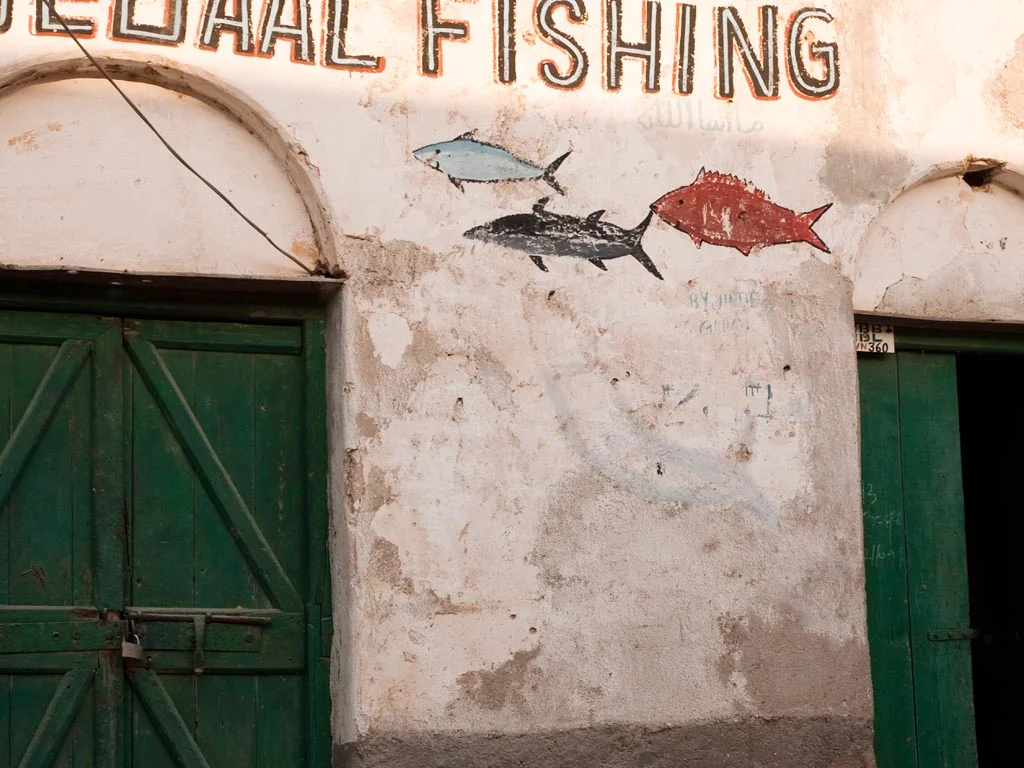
163	579
942	458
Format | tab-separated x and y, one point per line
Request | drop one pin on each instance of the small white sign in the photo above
875	337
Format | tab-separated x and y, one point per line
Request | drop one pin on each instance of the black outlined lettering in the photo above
216	20
505	41
647	50
299	33
46	24
335	55
578	63
762	73
434	29
827	54
124	27
686	43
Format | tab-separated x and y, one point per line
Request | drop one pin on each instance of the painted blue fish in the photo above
465	159
544	233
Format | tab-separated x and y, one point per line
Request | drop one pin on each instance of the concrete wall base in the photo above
820	742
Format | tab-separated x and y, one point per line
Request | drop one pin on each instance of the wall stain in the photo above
1004	89
740	452
27	141
355	484
23	142
388	268
790	670
386	565
391	388
860	165
503	686
443	606
377	491
367	426
305	250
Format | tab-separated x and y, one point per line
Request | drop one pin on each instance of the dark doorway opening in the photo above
992	456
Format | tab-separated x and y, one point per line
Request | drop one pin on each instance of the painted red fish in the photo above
721	209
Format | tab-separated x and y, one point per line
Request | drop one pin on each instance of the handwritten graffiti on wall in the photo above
728	313
794	51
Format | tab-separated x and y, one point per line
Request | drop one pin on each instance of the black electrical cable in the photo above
172	150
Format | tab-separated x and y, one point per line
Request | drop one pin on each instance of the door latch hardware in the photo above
131	648
953	635
210	617
199	622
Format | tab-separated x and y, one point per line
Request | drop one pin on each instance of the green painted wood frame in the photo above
907	400
177	298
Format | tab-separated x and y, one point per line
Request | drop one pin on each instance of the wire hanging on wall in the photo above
171	149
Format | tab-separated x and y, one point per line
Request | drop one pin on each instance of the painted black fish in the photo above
543	233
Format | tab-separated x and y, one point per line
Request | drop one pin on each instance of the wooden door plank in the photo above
109	708
936	558
214	476
224	411
7	374
278	426
41	409
177	737
42	546
107	492
277	746
163	536
6	704
80	488
318	700
80	749
885	564
248	338
163	494
6	387
48	663
48	328
53	728
58	636
32	694
316	456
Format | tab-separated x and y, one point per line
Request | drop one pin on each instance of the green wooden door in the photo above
916	563
60	513
162	482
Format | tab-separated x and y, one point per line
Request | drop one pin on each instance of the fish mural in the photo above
543	233
722	209
467	159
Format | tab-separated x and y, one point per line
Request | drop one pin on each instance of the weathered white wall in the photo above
90	187
569	505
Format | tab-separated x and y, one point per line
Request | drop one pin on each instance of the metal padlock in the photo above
131	648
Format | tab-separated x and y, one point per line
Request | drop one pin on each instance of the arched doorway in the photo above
940	421
165	592
89	187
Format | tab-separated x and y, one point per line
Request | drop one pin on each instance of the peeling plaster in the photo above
390	335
